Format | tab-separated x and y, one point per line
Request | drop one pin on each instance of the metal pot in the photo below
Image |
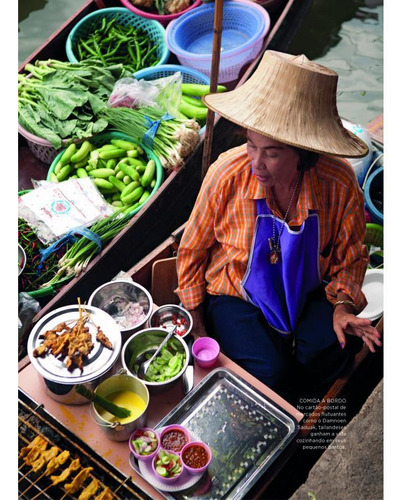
59	381
121	382
147	341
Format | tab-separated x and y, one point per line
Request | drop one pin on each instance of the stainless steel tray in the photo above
245	430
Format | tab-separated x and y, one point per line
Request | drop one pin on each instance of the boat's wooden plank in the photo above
375	128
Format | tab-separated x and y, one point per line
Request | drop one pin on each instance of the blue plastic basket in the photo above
374	186
190	37
154	30
189	75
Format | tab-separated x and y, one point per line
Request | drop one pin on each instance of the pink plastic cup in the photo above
205	350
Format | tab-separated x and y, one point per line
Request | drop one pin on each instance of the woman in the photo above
272	259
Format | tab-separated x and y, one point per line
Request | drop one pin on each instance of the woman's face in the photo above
270	159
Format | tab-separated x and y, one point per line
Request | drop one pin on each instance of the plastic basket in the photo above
85	26
373	186
40	148
100	139
190	37
189	75
164	19
374	235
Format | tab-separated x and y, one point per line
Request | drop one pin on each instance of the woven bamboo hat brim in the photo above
291	100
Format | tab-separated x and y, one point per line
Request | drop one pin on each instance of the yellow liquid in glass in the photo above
126	399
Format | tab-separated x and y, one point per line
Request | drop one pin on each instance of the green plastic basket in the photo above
374	238
374	235
101	139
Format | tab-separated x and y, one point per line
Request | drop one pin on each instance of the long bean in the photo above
112	40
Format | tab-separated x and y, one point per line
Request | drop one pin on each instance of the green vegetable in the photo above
63	173
101	173
149	173
167	464
122	144
192	111
193	101
112	153
111	42
133	196
67	155
198	90
60	100
174	140
167	364
76	259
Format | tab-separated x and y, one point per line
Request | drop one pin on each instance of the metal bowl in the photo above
163	317
22	259
115	296
147	341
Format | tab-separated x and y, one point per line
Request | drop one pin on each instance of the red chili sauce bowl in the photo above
174	438
196	457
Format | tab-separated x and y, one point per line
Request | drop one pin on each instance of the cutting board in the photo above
164	280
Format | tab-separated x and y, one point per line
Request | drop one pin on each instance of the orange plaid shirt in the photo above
214	250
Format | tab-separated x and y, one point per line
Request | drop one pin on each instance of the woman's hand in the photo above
344	322
199	328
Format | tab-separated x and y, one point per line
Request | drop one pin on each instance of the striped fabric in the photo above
213	253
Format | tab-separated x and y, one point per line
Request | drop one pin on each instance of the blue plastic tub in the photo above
373	194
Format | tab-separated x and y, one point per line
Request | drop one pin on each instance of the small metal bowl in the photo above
22	259
164	317
113	297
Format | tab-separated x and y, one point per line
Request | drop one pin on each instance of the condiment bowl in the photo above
167	316
174	438
145	342
167	456
127	302
141	434
196	453
205	350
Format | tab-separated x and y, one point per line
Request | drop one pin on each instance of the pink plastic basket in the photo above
40	148
163	19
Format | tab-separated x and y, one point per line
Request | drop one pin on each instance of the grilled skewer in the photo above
90	490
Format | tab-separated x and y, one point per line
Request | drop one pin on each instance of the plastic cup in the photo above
205	350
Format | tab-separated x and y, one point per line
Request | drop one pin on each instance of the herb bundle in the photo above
174	140
76	259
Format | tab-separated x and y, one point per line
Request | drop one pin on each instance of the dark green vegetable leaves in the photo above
60	100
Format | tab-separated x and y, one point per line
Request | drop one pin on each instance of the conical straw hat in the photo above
291	100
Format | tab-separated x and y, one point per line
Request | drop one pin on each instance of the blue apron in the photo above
280	290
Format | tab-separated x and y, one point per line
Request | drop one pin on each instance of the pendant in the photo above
274	257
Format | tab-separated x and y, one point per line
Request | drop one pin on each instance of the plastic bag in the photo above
164	93
27	309
54	209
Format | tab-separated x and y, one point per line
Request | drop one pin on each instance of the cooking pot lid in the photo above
96	363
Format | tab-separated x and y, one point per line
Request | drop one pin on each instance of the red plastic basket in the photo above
163	19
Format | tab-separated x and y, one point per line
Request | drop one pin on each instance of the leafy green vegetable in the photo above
60	100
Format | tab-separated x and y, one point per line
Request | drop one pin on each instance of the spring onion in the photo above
76	259
175	139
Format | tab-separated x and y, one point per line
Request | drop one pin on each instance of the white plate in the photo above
185	481
373	290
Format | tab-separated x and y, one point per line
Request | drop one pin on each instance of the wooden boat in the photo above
171	204
157	273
